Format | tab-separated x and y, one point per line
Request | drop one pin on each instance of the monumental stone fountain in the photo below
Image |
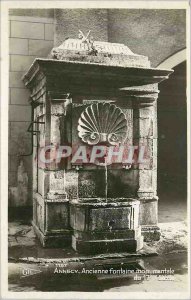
90	93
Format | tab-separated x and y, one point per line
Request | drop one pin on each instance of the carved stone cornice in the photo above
141	96
78	75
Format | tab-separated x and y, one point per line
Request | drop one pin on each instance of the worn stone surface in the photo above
134	27
20	63
144	119
149	212
102	246
98	52
18	46
18	195
66	25
107	223
19	96
40	48
171	251
150	233
173	238
15	79
20	113
57	216
49	32
27	30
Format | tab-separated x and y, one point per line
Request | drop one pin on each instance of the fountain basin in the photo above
101	225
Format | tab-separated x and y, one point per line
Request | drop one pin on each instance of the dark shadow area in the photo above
172	146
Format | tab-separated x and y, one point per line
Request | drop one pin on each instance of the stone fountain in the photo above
87	94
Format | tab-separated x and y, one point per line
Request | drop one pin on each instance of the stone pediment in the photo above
99	52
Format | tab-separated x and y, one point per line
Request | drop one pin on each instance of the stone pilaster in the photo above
145	135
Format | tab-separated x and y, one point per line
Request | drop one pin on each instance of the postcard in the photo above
95	145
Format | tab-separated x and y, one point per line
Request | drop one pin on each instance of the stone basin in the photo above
109	202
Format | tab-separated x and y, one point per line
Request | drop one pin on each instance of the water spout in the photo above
64	181
77	190
106	179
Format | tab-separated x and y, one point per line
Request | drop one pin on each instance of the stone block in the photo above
155	125
144	119
18	195
57	240
28	167
108	234
114	218
154	182
57	216
21	63
19	146
35	17
77	218
122	183
15	80
149	147
93	217
19	96
18	46
107	246
40	48
55	130
150	233
145	180
89	182
13	163
72	185
49	32
20	113
19	129
27	30
12	179
40	216
43	182
63	182
149	212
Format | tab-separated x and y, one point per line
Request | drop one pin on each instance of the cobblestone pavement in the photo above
32	268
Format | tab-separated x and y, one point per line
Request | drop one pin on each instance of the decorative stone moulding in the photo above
102	123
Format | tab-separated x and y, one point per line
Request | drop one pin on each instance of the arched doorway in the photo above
172	146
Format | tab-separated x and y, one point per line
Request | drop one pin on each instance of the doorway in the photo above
172	146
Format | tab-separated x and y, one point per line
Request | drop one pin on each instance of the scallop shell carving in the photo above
102	123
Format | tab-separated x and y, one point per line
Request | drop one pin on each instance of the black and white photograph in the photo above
95	116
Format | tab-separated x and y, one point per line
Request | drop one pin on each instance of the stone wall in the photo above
154	33
30	37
